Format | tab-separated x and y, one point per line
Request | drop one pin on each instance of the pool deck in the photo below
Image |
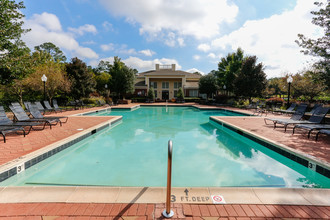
148	203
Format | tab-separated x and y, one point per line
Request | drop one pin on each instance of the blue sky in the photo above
193	34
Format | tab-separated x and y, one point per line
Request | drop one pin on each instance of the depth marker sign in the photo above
218	199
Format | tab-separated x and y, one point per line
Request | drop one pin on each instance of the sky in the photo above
193	34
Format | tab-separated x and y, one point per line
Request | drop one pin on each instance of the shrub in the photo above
151	94
180	94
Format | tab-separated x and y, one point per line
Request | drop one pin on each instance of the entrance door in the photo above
165	94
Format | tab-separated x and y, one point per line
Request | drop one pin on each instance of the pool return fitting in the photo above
168	213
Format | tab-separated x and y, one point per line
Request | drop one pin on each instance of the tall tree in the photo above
276	86
228	68
82	79
251	80
13	52
57	80
53	50
319	47
307	85
11	21
123	77
208	85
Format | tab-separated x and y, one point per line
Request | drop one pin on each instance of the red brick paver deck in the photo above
154	211
297	141
18	145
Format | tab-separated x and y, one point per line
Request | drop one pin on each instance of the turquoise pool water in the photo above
134	153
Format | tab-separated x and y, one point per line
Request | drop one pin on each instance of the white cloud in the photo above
212	55
91	42
204	47
197	57
107	47
181	42
159	19
47	28
48	21
107	26
85	52
144	65
148	53
272	39
87	28
194	70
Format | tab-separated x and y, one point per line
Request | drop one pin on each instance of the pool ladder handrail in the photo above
168	213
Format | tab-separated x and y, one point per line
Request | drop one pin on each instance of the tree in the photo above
57	80
82	79
53	50
102	79
180	94
13	52
208	85
251	80
11	21
307	85
276	86
15	65
123	77
319	47
197	73
228	68
151	94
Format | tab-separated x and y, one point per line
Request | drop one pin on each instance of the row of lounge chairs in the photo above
314	123
24	122
260	109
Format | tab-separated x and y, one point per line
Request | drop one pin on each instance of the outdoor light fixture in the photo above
44	79
289	80
224	88
106	86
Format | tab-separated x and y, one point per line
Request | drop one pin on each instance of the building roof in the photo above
168	72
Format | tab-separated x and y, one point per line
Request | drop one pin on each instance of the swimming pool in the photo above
134	153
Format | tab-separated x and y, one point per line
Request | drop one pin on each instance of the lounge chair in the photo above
10	129
296	116
56	107
27	105
289	110
323	131
42	109
37	115
21	116
316	118
315	107
5	121
47	106
311	127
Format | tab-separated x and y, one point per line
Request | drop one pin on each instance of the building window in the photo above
155	93
165	85
153	84
175	93
193	93
177	85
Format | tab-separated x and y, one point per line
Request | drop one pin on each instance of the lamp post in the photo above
289	80
44	79
224	88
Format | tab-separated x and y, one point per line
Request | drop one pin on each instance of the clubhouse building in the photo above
166	82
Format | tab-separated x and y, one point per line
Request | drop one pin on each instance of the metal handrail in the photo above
168	213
